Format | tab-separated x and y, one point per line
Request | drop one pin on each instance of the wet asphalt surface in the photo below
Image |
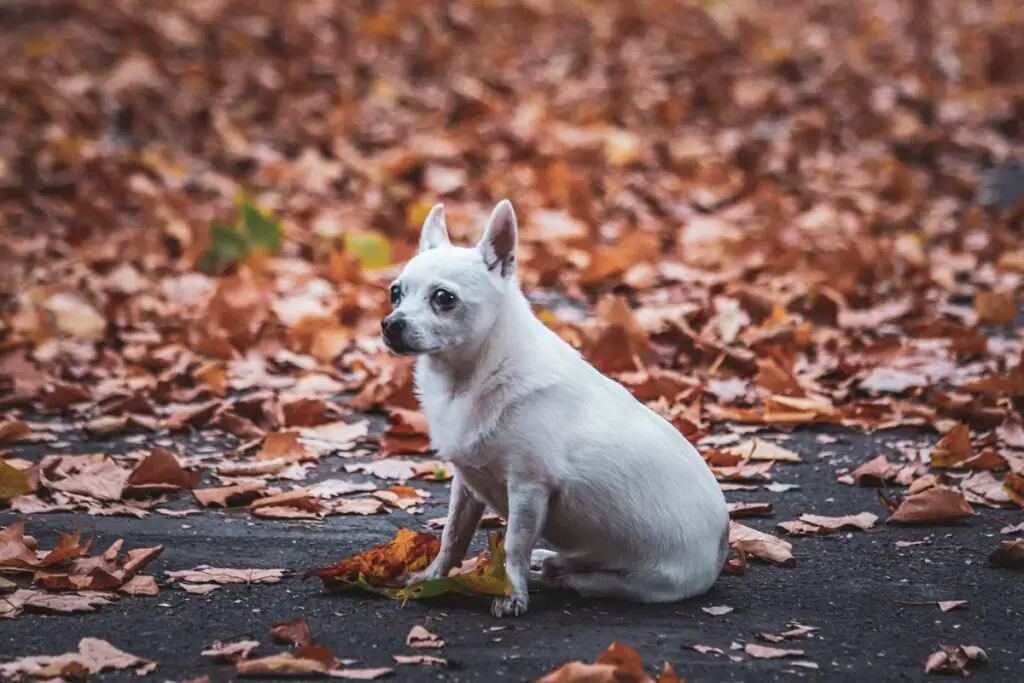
848	585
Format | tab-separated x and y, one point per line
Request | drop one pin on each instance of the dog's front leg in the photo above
527	509
464	513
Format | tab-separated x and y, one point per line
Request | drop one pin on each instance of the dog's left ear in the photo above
498	244
435	230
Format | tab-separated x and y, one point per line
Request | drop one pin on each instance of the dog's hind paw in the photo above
512	606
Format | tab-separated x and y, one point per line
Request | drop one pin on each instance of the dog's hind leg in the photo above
650	585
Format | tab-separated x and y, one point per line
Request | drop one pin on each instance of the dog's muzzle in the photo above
393	329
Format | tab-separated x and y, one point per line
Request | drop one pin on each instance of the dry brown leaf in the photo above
818	524
758	449
281	665
765	652
160	472
86	601
199	588
955	659
996	308
294	632
742	510
238	495
401	497
13	550
934	505
140	586
421	660
93	656
1009	554
761	545
231	652
204	574
421	637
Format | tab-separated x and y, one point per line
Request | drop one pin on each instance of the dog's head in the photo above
449	297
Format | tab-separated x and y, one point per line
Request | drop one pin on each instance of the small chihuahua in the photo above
535	432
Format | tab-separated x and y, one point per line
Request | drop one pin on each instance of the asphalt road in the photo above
848	585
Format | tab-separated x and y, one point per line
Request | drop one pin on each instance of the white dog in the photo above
533	430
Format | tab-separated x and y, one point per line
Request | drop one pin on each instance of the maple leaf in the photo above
382	565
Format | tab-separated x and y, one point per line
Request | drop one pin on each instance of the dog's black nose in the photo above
391	325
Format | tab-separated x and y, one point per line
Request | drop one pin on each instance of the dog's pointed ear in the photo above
435	230
498	244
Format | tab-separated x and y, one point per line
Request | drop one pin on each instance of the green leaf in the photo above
228	246
371	248
262	229
13	482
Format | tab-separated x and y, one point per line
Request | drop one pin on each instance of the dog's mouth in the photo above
400	347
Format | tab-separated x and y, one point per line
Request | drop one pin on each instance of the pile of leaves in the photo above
66	578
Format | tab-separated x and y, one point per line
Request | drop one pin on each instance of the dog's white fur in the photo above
558	449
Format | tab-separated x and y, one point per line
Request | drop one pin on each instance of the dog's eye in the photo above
396	295
443	299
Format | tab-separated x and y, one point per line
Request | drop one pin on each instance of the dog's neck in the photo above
468	366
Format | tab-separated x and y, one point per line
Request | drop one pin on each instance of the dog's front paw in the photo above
512	606
427	574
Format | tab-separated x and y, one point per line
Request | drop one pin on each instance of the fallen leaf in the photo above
14	604
331	488
421	637
238	495
231	652
935	505
758	449
140	586
996	308
357	506
741	510
421	660
947	605
383	564
294	632
199	588
13	550
818	524
281	665
93	656
953	448
761	545
1009	554
955	659
401	497
13	482
765	652
102	480
717	610
798	631
160	471
204	574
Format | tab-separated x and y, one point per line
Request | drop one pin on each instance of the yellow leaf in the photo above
371	248
13	482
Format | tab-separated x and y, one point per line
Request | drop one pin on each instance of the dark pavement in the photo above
848	585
